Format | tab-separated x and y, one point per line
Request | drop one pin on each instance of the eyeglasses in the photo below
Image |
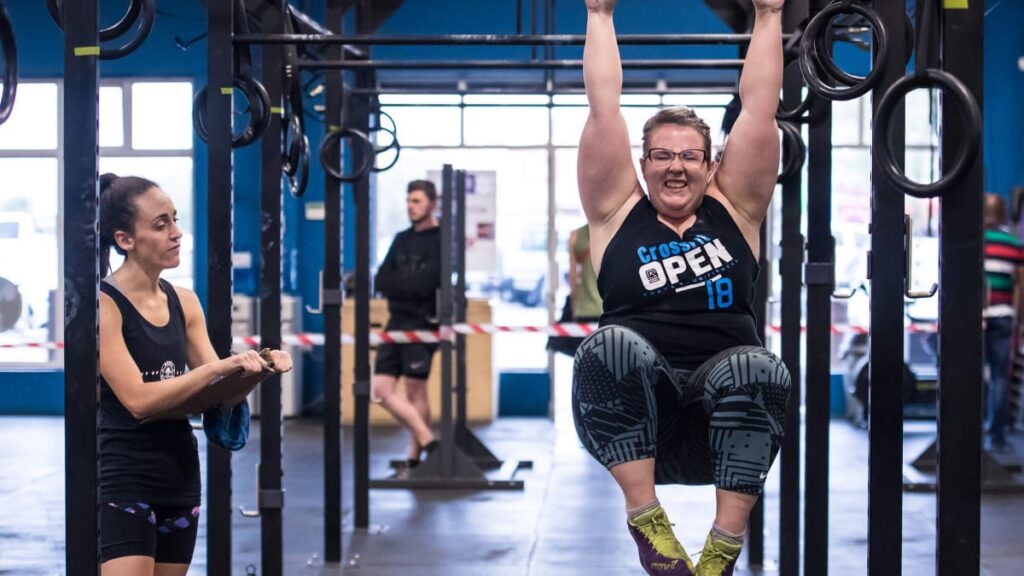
663	157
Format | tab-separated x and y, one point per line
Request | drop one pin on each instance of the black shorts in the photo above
164	533
409	360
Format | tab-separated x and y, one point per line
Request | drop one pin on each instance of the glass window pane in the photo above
174	176
28	256
567	124
505	99
846	122
162	115
518	282
419	99
569	99
920	111
640	100
922	165
507	126
427	125
713	115
697	99
33	122
635	119
111	116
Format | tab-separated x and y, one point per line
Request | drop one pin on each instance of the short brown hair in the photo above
683	117
425	186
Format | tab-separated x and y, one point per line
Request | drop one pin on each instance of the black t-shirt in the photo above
410	276
156	463
691	297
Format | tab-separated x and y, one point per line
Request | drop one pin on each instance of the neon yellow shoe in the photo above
718	558
660	552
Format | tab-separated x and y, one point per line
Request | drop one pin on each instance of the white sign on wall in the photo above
481	208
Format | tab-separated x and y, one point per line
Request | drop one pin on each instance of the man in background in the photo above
409	278
1003	257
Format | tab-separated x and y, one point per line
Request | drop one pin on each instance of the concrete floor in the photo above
569	519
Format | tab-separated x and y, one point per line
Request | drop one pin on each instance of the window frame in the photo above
56	359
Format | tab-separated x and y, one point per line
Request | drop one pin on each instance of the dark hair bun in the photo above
106	180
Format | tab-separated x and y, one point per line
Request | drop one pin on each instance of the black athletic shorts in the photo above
164	533
409	360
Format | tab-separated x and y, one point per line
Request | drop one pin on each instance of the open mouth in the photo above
675	184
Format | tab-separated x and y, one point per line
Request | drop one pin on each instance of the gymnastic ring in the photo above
292	145
334	136
296	161
259	106
297	187
394	145
394	125
394	138
810	56
793	141
796	115
142	12
10	49
828	65
120	27
970	115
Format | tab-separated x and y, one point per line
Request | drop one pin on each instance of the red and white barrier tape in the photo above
578	330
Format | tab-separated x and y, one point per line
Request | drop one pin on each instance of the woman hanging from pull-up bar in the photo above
675	388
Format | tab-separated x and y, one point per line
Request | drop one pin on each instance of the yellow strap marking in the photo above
955	4
333	127
276	110
227	91
87	51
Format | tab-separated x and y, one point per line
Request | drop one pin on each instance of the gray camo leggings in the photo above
721	424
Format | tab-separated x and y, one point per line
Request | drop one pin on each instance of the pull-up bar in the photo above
492	39
718	64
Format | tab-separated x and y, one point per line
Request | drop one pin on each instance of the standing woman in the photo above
149	487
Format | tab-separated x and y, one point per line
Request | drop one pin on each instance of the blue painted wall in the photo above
1004	87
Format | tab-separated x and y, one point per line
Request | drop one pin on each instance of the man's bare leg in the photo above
385	387
416	393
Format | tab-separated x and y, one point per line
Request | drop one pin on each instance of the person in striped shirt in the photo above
1004	256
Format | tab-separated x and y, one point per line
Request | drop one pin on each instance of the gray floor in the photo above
569	520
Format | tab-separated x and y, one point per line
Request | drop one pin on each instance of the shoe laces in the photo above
659	531
716	556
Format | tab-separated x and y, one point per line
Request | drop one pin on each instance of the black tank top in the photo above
691	297
155	463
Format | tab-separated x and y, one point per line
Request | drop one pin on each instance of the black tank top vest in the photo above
691	297
156	463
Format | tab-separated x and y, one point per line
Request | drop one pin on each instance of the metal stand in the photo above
996	477
460	461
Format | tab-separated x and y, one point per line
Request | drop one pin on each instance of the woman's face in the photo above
156	240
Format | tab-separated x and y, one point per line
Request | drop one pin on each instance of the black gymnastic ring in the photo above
259	106
334	136
970	114
297	186
296	161
793	141
146	17
120	27
292	145
828	65
378	150
810	56
142	12
10	49
394	125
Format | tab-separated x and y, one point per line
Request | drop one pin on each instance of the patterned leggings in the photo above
721	424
